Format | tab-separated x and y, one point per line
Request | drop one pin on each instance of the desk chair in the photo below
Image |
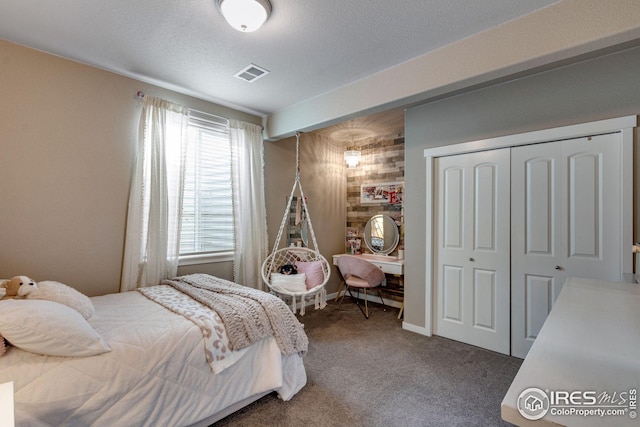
360	274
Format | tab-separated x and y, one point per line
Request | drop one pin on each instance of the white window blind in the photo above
207	207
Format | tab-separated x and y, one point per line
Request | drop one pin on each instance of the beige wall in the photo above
323	178
67	135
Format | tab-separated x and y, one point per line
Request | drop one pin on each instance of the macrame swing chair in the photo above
307	259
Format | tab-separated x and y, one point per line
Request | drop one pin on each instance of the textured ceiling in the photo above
311	47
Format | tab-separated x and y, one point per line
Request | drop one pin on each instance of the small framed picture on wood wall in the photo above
382	192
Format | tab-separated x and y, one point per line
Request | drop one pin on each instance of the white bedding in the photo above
155	375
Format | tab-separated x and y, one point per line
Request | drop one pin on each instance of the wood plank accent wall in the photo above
382	160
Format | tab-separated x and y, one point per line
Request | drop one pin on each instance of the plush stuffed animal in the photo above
59	292
14	285
288	269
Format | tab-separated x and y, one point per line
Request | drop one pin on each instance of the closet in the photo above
513	217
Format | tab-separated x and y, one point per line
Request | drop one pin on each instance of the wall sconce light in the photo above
245	15
352	157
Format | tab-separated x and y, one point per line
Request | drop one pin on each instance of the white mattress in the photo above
156	373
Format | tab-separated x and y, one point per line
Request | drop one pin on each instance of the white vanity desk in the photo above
388	264
589	342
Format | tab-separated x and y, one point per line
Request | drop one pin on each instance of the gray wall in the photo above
601	88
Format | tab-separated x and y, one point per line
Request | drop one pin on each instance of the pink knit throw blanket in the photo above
248	314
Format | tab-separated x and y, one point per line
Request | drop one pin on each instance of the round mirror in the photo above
381	234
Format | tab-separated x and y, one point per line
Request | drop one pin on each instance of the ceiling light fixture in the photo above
352	157
245	15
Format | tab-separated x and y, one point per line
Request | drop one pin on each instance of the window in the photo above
207	206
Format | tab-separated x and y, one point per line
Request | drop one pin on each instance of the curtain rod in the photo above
140	95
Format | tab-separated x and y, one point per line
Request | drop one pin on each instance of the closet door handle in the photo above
557	267
471	259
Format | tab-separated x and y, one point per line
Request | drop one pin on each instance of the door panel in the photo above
472	255
454	206
585	205
540	293
484	299
452	284
484	218
565	216
536	203
539	204
592	181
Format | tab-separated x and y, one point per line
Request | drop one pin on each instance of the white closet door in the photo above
472	256
565	221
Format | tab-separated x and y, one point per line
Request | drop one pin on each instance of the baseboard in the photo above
372	298
417	329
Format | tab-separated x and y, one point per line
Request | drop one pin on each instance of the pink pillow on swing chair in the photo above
313	271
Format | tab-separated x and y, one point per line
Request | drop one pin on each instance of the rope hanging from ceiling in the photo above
305	260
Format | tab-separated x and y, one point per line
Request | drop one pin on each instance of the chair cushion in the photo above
357	282
350	265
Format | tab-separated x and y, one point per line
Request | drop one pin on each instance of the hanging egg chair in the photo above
297	273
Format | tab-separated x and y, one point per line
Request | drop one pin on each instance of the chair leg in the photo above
356	299
366	306
343	295
339	290
380	295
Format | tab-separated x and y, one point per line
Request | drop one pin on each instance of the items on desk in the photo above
353	242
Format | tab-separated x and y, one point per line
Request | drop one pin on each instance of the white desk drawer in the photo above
388	267
393	266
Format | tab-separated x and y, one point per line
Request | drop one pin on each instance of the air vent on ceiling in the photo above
251	73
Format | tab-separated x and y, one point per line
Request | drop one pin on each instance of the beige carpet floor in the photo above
373	373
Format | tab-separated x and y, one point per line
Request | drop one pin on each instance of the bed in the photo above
157	371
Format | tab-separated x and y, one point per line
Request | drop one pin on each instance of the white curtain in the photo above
155	200
250	213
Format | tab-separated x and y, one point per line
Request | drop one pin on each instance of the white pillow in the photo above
49	328
289	282
59	292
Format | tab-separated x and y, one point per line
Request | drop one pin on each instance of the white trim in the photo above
417	329
206	258
626	220
429	317
546	135
623	125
